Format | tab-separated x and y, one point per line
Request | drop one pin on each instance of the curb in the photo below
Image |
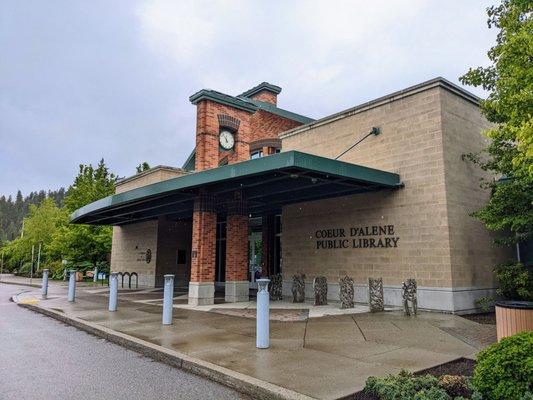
247	385
35	285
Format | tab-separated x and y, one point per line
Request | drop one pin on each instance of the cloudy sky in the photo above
82	80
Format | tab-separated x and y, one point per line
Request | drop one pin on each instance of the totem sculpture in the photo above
320	285
298	288
409	296
375	294
346	292
276	287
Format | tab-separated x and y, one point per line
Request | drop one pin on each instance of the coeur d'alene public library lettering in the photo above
357	238
265	189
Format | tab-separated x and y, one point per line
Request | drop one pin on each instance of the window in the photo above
256	154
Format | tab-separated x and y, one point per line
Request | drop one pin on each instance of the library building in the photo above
379	190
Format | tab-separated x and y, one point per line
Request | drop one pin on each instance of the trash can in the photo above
513	317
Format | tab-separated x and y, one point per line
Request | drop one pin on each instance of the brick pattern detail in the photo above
227	121
266	96
204	225
208	152
237	248
265	125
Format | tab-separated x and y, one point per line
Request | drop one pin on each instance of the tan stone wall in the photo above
472	251
161	237
130	242
173	236
410	144
154	175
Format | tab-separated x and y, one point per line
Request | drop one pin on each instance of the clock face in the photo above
226	140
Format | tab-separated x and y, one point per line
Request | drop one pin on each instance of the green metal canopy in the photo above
267	183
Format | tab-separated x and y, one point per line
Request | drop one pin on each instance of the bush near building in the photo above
505	369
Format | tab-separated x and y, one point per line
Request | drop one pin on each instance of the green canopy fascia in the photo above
266	183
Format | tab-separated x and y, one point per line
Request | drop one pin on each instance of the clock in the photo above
226	140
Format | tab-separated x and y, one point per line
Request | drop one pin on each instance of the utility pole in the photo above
39	256
32	261
2	265
22	230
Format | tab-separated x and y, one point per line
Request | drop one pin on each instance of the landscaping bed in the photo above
488	318
462	366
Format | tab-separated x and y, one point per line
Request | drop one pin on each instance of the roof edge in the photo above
148	172
411	90
261	87
281	112
217	97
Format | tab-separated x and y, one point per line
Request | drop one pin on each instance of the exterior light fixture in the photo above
375	131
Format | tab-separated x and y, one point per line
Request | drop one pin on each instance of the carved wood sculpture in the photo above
410	302
375	294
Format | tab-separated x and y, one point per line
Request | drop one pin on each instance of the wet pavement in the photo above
41	358
326	358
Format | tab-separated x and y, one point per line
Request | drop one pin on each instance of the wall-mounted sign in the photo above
375	236
144	256
148	256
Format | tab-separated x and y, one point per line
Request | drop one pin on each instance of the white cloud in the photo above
114	80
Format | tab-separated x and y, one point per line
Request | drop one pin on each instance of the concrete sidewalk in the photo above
325	358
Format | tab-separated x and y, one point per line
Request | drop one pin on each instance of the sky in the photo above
85	80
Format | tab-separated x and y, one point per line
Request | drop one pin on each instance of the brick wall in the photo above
203	246
265	125
208	152
266	96
237	248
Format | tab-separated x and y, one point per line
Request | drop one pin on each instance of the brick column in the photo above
237	284
204	228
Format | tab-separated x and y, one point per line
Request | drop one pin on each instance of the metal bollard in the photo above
262	320
113	291
44	289
72	285
95	276
168	299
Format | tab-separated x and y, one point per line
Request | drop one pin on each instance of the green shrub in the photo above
505	369
485	303
515	281
405	386
56	269
455	385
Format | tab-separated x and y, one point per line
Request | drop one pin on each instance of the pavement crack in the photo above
305	330
360	330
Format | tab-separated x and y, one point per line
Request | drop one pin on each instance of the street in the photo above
41	358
